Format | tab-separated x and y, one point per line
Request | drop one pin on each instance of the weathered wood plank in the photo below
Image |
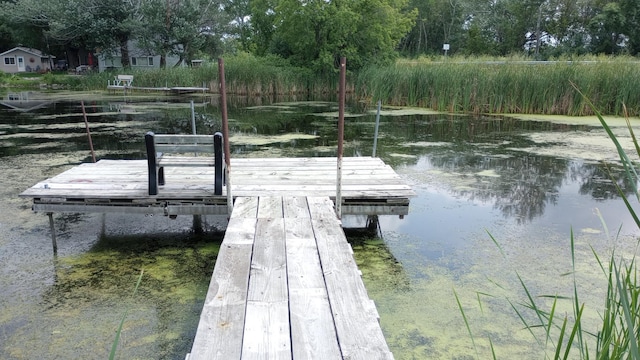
219	334
295	207
357	327
313	333
266	333
321	208
245	207
270	207
268	267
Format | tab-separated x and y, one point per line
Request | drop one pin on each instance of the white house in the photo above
23	59
138	59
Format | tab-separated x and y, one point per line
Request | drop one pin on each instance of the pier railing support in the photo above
341	101
225	134
52	228
86	124
375	135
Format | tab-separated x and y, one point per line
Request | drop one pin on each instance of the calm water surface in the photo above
527	184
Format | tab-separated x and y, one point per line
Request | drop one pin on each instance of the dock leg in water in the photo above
197	224
372	223
53	233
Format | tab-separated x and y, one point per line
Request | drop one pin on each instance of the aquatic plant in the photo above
475	85
114	347
245	75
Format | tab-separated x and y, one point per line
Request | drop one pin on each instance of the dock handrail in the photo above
159	144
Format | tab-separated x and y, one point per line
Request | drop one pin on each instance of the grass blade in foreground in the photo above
114	347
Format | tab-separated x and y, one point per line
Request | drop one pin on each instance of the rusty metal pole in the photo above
53	234
225	134
86	125
341	100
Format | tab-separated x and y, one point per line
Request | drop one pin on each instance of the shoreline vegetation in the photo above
455	84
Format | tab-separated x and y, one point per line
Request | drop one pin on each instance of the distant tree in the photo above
263	25
566	23
607	28
180	27
28	21
317	33
438	22
478	42
631	11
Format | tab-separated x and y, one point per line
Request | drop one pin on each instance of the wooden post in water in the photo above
375	135
193	119
86	125
53	234
225	133
341	100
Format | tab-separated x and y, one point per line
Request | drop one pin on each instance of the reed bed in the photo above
244	75
507	86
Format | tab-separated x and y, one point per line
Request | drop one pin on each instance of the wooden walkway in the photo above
286	286
285	283
369	186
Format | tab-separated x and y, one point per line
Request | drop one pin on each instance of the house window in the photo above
9	61
142	61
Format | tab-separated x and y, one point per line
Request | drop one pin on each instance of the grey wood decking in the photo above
286	286
369	186
285	283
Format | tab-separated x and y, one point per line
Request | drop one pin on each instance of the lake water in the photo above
496	198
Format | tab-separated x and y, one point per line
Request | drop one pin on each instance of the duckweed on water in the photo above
176	275
253	139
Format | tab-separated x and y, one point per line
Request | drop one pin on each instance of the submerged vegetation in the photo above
559	329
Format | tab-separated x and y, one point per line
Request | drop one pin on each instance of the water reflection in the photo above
470	174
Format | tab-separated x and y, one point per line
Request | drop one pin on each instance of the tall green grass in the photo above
507	86
245	74
116	341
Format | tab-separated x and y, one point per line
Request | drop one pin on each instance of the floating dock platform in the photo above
369	186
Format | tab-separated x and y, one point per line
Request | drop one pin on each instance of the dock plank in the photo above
295	207
219	333
127	180
269	207
357	327
313	334
266	332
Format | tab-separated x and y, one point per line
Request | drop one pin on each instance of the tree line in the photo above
316	33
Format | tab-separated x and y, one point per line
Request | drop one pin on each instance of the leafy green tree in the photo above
28	21
438	22
316	33
607	29
566	23
478	42
262	24
631	11
180	27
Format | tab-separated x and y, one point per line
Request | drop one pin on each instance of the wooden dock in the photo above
285	283
286	286
369	186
